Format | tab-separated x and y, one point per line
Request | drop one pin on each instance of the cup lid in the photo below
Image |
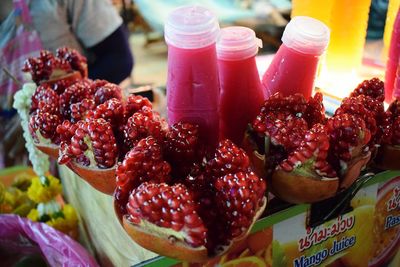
236	43
306	35
191	27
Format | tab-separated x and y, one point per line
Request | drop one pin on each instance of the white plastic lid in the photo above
306	35
191	27
237	43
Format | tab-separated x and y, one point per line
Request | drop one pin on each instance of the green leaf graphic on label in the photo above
278	255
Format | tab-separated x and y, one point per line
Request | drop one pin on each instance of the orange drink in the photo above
348	24
320	10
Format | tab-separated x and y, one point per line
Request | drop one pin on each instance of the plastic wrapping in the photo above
20	236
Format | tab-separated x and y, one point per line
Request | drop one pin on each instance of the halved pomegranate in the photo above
306	176
91	152
348	153
191	218
66	65
42	127
389	151
288	145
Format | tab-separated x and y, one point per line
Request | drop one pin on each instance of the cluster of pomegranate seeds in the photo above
182	147
394	108
66	130
46	124
373	88
391	125
93	145
142	163
311	155
169	207
81	110
348	135
104	91
134	103
278	104
42	96
42	67
315	111
75	60
48	66
224	194
238	196
287	132
143	123
228	158
355	106
112	111
74	94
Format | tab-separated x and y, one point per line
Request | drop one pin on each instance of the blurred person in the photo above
93	27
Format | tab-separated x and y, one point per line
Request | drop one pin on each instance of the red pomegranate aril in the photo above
192	226
104	152
228	158
373	88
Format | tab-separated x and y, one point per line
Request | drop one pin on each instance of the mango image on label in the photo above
359	254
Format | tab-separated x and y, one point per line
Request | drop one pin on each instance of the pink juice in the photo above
294	66
241	97
291	72
193	89
393	60
192	86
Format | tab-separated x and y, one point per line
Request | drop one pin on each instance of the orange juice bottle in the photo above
320	10
348	24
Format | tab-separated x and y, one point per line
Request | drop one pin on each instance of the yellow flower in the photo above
70	214
66	221
44	189
33	215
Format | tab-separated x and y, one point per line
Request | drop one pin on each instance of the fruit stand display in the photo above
301	189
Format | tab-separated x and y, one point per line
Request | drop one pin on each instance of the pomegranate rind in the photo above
73	76
102	180
354	169
50	149
388	157
161	245
299	189
178	249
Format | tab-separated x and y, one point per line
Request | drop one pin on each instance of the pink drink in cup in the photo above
241	89
393	60
192	85
294	66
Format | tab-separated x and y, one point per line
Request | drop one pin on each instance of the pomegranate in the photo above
42	127
348	153
58	71
92	153
389	151
143	123
189	218
306	176
104	91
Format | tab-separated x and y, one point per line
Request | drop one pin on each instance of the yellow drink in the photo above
390	17
348	26
317	9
